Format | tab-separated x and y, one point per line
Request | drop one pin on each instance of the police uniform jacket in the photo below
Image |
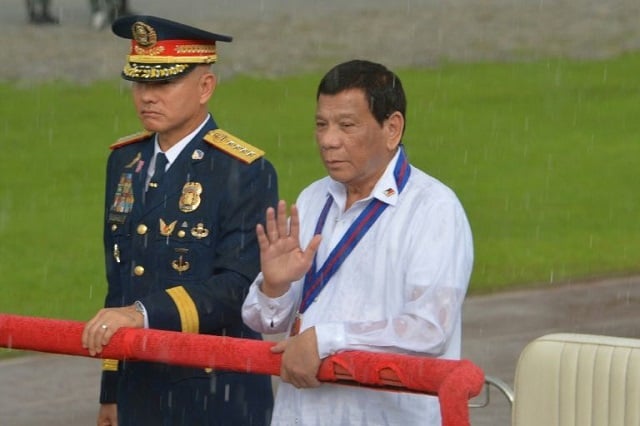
190	254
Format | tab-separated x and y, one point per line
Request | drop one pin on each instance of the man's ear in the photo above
208	83
394	127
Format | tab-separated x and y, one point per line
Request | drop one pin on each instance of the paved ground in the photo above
62	391
273	37
498	327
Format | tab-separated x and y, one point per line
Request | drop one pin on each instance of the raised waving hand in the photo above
281	257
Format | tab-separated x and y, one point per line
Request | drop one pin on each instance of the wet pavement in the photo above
59	390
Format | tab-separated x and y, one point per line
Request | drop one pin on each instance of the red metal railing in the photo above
454	382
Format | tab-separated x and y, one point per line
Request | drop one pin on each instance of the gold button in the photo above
138	271
142	229
181	233
114	227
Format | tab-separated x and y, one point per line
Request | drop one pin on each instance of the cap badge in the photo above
144	34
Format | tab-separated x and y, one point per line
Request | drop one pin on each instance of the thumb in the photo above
312	248
279	347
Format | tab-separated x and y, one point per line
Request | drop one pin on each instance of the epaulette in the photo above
128	140
233	146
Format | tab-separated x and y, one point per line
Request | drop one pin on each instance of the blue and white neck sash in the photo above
314	280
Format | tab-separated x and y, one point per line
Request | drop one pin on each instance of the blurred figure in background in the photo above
38	12
104	12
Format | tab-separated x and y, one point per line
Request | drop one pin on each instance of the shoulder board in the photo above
127	140
233	146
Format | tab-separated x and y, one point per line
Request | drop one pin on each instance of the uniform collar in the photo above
173	152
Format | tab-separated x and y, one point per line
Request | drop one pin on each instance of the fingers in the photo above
100	329
263	241
281	219
97	333
313	245
108	415
294	223
300	360
301	382
299	378
270	228
99	337
276	224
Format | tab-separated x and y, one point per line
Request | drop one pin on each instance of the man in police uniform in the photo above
182	202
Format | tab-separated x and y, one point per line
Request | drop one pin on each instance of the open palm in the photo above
282	259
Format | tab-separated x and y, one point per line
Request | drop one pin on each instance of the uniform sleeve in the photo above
109	381
214	306
113	297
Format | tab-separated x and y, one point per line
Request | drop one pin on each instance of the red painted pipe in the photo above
453	381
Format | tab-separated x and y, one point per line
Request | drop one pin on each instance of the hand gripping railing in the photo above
454	382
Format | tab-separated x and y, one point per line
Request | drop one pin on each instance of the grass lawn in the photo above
542	156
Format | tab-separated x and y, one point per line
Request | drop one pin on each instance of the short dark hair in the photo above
382	88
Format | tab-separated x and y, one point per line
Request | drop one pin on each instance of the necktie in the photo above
161	164
153	194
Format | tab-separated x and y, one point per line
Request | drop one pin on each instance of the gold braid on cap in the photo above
192	53
149	51
149	59
198	49
149	71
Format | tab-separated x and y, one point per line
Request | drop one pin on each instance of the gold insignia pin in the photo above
190	198
199	231
180	265
167	230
